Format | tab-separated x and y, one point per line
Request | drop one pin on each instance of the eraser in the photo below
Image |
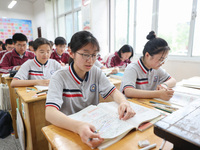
144	143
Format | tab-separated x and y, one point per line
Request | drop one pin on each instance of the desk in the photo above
182	127
32	111
13	103
62	139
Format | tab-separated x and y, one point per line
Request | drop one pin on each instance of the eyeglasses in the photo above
162	61
20	46
88	56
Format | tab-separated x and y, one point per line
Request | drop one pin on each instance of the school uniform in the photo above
2	53
32	69
115	61
60	58
98	64
70	94
136	75
12	59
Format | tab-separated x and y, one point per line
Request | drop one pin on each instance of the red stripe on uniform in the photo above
52	106
110	92
73	95
73	75
35	74
141	67
146	82
36	63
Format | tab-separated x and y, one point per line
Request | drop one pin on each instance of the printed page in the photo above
186	90
107	125
143	114
181	99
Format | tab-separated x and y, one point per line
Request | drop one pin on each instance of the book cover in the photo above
105	118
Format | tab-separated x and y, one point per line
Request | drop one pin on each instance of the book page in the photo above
186	90
181	99
143	114
107	125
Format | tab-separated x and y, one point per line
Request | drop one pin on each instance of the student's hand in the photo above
125	111
62	64
86	132
17	68
43	82
166	94
115	70
161	86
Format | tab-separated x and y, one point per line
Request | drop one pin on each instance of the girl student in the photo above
121	58
145	78
37	71
77	86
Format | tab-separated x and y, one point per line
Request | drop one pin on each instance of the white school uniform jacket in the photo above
34	70
136	75
70	94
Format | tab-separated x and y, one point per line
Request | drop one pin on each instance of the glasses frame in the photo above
88	56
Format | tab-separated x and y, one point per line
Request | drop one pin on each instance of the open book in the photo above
105	118
193	82
41	88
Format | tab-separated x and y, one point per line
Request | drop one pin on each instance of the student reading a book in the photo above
59	54
14	59
77	86
121	58
37	71
145	78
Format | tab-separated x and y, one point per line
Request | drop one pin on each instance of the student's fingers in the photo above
129	113
95	142
121	111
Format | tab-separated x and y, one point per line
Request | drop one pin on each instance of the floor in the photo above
10	143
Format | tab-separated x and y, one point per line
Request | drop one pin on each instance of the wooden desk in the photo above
182	127
13	102
62	139
32	111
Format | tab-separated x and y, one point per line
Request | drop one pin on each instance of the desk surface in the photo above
182	127
63	139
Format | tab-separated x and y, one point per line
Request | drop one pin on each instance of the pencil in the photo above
163	109
162	145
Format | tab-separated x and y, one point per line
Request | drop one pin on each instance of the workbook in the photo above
118	75
41	88
106	120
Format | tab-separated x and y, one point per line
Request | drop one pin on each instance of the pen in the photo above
149	147
41	92
28	88
162	145
166	106
163	109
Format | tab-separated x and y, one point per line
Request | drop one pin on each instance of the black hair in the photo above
19	37
51	42
4	46
60	41
1	43
9	41
155	45
124	49
81	39
30	43
40	41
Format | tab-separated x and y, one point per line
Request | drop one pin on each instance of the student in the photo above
39	70
1	44
9	44
78	86
59	54
145	78
14	59
30	46
121	58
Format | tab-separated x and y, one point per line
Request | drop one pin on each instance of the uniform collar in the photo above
142	66
75	76
38	63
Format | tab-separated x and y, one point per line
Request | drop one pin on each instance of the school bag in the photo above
5	124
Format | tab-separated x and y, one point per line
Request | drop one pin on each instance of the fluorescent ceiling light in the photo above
12	4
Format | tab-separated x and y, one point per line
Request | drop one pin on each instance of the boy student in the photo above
145	78
15	58
9	44
59	53
77	86
37	71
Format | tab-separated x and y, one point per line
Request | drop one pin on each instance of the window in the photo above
178	22
69	17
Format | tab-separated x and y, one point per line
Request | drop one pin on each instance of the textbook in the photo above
41	88
193	82
106	120
118	75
